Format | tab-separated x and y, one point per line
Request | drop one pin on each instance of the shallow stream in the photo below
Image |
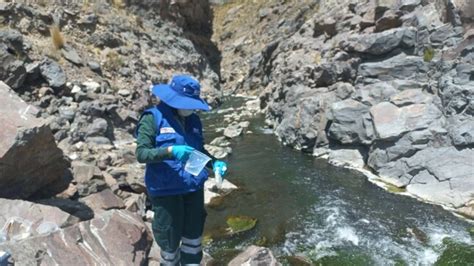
310	210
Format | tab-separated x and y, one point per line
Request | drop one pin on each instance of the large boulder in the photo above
255	256
390	121
380	43
398	67
30	161
116	237
350	122
439	175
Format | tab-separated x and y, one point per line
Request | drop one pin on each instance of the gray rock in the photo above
457	90
22	171
220	141
124	92
71	55
218	152
347	122
98	127
105	39
53	73
448	177
233	131
461	130
98	140
408	5
397	67
13	39
442	33
94	66
346	157
343	90
410	96
115	237
391	122
255	255
374	93
378	43
66	113
12	71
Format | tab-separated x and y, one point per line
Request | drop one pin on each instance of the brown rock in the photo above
104	200
30	161
89	178
136	203
116	237
389	20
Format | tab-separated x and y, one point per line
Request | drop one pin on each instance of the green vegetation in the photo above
428	54
238	224
113	61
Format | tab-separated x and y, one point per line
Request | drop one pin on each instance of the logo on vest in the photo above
196	131
167	130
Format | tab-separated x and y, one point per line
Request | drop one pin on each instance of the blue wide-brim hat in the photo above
181	93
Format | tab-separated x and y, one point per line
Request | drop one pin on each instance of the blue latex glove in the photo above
220	166
181	152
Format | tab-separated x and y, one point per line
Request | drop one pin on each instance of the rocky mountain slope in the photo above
384	85
73	81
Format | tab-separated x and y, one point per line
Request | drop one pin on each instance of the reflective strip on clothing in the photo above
168	258
191	242
191	250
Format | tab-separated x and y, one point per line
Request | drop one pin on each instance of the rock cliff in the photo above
387	85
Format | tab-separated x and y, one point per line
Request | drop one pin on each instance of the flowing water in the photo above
328	215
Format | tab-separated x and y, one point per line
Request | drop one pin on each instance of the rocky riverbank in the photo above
380	85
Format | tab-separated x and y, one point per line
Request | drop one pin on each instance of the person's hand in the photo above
181	152
220	167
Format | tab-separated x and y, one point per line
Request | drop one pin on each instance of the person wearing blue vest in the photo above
166	135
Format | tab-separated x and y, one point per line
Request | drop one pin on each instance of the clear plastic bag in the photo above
16	228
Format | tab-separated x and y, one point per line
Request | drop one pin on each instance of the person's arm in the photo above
146	151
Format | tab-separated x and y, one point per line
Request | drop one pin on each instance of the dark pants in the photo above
178	225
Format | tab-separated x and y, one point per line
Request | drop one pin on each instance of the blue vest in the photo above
168	177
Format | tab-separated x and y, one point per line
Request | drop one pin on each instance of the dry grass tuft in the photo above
113	61
118	3
57	37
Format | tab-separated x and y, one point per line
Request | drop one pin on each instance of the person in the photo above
166	135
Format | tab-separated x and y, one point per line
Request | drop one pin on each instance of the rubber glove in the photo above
181	152
220	166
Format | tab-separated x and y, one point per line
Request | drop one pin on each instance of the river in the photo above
326	214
